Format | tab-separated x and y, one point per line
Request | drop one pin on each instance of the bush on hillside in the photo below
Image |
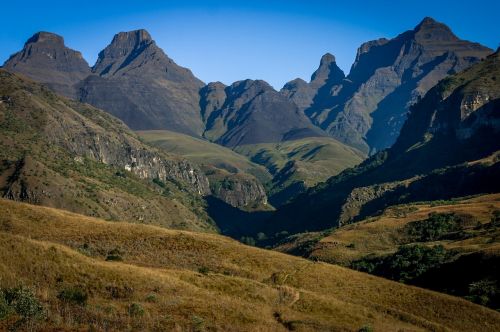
73	295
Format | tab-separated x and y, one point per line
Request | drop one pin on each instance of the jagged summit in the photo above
367	109
137	35
430	29
43	36
327	70
124	48
327	58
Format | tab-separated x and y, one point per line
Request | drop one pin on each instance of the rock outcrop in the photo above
238	190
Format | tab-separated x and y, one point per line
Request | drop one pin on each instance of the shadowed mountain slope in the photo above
250	112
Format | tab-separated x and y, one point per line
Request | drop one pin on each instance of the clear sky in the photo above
232	40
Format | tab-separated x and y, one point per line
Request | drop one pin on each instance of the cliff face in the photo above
238	190
114	144
64	154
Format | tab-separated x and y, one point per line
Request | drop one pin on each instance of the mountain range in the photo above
391	170
447	148
367	108
137	82
134	80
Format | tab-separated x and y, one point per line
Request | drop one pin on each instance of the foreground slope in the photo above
69	155
180	280
450	246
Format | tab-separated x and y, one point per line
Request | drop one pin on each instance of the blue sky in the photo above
232	40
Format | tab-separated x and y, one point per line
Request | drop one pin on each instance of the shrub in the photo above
437	225
366	328
114	255
73	295
483	291
408	263
135	310
198	323
248	240
23	301
203	270
5	310
151	298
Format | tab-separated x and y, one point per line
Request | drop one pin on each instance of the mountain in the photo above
138	83
448	148
368	108
133	79
250	112
46	59
64	154
79	273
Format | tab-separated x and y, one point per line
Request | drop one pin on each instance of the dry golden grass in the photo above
240	288
384	234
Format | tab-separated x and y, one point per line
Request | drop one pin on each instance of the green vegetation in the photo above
204	153
407	264
437	226
73	295
22	302
136	310
307	161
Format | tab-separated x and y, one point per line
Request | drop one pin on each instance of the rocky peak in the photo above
124	48
430	29
366	47
248	88
46	37
327	71
212	98
45	58
294	84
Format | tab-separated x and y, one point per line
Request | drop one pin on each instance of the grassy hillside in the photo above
286	168
85	273
234	179
466	230
204	152
301	163
60	153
